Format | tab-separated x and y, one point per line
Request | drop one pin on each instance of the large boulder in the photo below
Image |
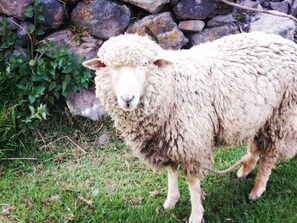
191	25
15	8
280	6
84	103
103	18
152	6
189	9
85	46
162	29
210	34
275	25
55	14
70	2
294	9
221	20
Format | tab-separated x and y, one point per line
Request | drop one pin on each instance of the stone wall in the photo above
83	25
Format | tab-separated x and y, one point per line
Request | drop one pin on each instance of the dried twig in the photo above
64	137
275	13
40	136
28	158
3	9
81	149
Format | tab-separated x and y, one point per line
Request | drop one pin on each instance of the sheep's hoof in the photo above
196	220
170	202
243	172
255	194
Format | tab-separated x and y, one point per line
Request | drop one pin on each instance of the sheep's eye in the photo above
144	64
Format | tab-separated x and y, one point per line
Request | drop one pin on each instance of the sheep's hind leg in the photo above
173	193
249	161
266	163
268	160
196	201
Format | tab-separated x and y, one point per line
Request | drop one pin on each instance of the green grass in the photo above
110	185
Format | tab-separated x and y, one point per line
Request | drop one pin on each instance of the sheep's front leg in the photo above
196	201
173	193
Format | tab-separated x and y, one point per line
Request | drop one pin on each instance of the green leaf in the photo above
5	45
38	116
43	114
21	86
56	94
54	64
31	28
30	8
67	70
64	86
67	78
32	63
52	86
40	61
40	32
41	18
32	98
29	14
32	109
39	90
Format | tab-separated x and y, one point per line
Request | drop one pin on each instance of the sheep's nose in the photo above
127	99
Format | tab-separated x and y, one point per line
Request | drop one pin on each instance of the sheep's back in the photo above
251	76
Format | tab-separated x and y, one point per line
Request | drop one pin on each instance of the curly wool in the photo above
114	53
225	93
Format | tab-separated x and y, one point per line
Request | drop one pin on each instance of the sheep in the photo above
174	107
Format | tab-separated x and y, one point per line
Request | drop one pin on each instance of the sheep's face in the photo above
128	85
128	82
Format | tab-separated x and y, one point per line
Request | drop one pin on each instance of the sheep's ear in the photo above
162	62
93	64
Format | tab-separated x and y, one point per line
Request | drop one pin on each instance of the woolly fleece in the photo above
220	93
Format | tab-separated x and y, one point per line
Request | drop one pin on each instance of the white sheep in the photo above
173	107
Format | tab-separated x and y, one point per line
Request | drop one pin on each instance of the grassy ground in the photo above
108	184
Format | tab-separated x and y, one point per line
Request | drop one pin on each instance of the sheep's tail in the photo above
222	172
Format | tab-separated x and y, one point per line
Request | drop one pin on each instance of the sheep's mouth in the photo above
128	106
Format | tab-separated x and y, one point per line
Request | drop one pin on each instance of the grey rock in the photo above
70	2
104	139
15	8
22	34
152	6
280	6
221	20
275	25
21	51
189	9
210	34
103	18
54	13
84	103
80	46
173	2
294	8
162	29
191	25
251	4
